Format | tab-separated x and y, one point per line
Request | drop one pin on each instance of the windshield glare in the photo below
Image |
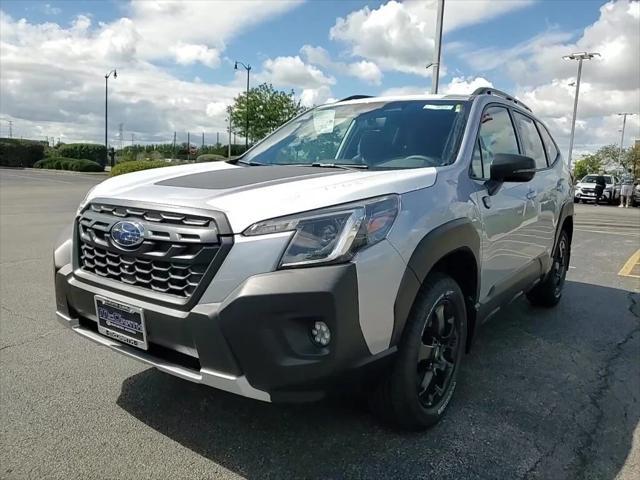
378	135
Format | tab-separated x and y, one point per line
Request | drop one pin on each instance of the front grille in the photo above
177	251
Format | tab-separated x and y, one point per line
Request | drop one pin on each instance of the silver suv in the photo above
362	244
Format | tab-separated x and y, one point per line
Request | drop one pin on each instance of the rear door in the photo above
507	253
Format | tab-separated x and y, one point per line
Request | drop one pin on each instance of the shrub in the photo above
209	157
137	165
72	164
90	151
20	153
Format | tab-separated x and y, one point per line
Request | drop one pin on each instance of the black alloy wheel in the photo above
438	354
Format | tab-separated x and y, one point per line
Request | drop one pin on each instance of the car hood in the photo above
250	194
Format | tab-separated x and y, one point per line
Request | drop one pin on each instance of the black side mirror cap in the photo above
510	167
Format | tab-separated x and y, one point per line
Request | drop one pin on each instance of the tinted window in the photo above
496	136
552	151
531	142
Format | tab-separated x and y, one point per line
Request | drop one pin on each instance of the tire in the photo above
429	353
549	292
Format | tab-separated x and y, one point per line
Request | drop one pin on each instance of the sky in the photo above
175	61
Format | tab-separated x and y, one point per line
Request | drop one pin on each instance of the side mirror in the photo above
510	167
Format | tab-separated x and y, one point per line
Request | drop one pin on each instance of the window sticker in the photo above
324	121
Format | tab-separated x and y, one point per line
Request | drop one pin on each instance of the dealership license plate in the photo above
122	322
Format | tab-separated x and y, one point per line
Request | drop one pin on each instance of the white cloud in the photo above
188	54
465	85
315	96
365	70
52	83
293	72
400	36
164	25
457	85
609	84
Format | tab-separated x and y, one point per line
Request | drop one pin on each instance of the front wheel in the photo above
417	389
549	291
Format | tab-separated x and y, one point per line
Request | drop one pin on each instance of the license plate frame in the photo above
121	321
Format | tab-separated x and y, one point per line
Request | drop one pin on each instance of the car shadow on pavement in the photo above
543	394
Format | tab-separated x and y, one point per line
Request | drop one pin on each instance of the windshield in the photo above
592	179
379	135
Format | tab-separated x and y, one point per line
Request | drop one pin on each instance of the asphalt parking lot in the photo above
547	394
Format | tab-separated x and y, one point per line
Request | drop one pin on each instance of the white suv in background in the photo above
586	189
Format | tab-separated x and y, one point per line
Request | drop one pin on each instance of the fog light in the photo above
320	334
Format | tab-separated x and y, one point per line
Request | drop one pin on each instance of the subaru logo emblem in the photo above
127	234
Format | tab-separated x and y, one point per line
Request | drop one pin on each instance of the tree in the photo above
587	164
631	159
268	109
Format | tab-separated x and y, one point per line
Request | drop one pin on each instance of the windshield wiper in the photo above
251	163
344	166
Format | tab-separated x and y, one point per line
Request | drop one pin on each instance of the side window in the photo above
552	151
496	135
531	141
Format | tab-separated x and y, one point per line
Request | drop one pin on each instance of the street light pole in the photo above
435	79
106	113
624	124
579	57
246	137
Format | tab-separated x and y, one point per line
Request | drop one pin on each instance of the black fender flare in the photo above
566	211
456	235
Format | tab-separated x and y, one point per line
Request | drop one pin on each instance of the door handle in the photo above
532	194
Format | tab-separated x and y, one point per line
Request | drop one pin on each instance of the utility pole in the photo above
173	155
120	134
217	139
580	56
624	124
132	140
229	143
106	113
10	128
188	146
435	79
203	140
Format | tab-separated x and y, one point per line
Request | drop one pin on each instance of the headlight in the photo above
85	200
332	235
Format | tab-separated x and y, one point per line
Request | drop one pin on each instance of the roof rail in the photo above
498	93
355	97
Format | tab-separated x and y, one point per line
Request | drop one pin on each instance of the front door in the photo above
508	215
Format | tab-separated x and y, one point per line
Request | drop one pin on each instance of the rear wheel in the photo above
549	292
416	391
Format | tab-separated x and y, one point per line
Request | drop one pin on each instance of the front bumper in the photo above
255	343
